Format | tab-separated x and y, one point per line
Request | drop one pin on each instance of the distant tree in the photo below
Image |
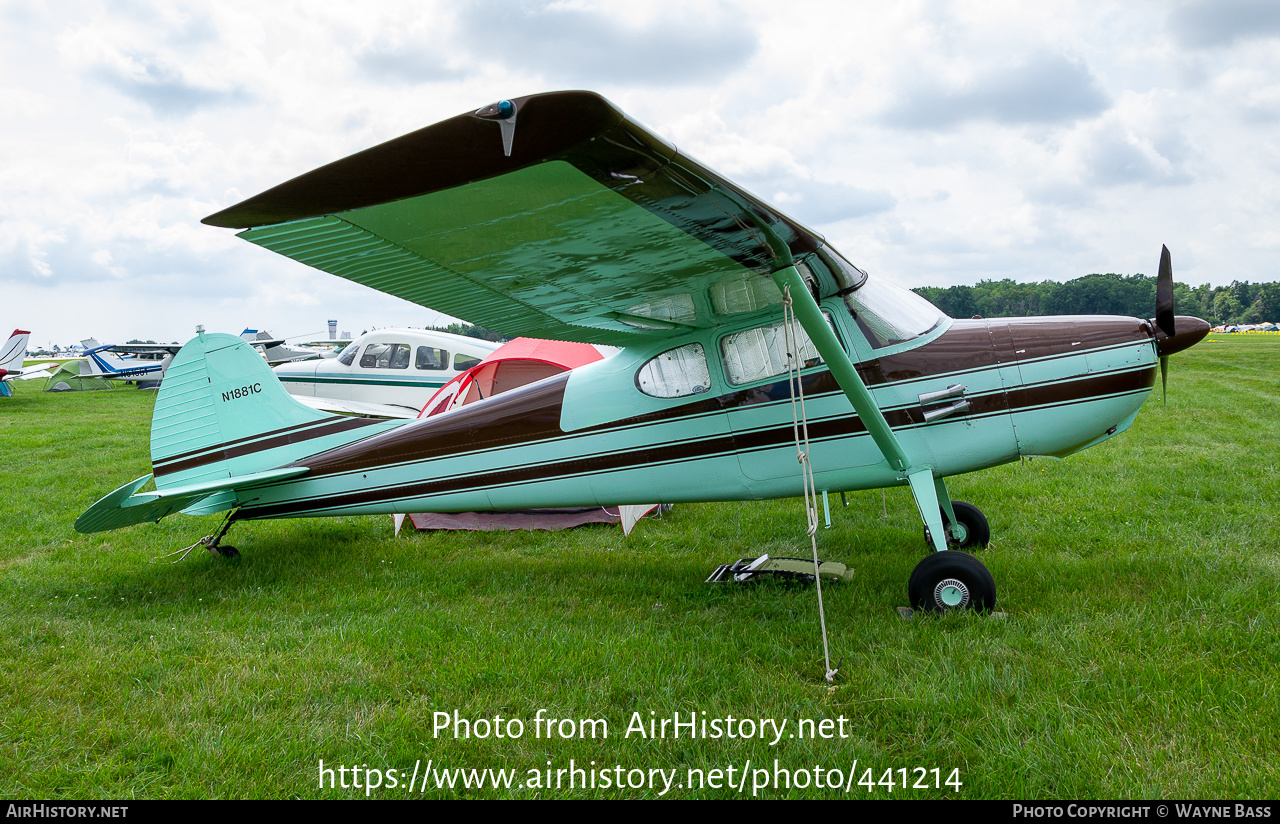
1253	314
472	331
1109	294
1226	308
1267	299
1242	292
1201	303
959	301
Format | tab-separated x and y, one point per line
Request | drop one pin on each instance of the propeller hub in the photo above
1191	331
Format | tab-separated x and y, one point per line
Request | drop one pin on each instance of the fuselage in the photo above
149	366
397	367
961	396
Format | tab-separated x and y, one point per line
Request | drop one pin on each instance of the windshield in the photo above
889	314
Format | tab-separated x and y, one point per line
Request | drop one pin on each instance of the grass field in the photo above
1138	656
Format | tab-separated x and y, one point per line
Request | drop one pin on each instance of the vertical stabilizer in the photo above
221	412
14	350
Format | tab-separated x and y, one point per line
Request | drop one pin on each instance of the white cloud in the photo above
1217	23
932	142
1035	89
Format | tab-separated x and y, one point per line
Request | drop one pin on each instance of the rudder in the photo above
221	412
13	351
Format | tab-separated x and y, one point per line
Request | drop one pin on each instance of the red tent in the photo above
522	361
510	366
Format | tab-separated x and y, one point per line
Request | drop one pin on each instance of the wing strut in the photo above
924	486
833	354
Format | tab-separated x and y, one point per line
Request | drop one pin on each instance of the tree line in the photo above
1109	294
472	331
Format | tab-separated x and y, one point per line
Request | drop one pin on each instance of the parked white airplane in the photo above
133	362
387	373
275	350
11	356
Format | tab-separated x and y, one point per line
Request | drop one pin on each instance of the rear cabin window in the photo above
463	362
431	358
385	356
756	354
676	373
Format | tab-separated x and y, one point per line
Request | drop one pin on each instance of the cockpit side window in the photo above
385	356
348	355
676	373
889	314
462	362
430	357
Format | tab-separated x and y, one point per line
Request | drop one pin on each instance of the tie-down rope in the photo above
800	428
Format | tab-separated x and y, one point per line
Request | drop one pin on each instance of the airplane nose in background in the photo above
1188	331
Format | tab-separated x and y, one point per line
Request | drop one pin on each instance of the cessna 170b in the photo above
556	216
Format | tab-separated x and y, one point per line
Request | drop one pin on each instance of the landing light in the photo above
501	110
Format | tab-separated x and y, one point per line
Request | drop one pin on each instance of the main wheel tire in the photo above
977	533
227	551
951	580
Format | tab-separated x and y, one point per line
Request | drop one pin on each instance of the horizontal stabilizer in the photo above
204	488
112	513
222	424
125	508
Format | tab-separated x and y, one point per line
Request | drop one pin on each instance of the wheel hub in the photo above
957	533
951	593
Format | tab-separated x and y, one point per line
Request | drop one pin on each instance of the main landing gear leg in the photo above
947	579
925	489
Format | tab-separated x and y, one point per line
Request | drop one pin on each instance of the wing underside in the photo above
593	229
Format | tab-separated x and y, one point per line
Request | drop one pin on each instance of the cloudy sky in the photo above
933	143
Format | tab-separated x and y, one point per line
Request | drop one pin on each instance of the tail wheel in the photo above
948	581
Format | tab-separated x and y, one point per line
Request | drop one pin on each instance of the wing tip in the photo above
449	153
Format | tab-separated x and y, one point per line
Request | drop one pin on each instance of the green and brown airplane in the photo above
557	216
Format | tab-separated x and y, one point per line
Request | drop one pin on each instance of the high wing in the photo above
551	216
357	409
145	348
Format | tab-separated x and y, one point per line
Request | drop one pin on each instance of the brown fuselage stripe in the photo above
249	446
177	456
533	413
1076	391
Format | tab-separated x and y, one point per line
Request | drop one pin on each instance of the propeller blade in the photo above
1164	293
1164	380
